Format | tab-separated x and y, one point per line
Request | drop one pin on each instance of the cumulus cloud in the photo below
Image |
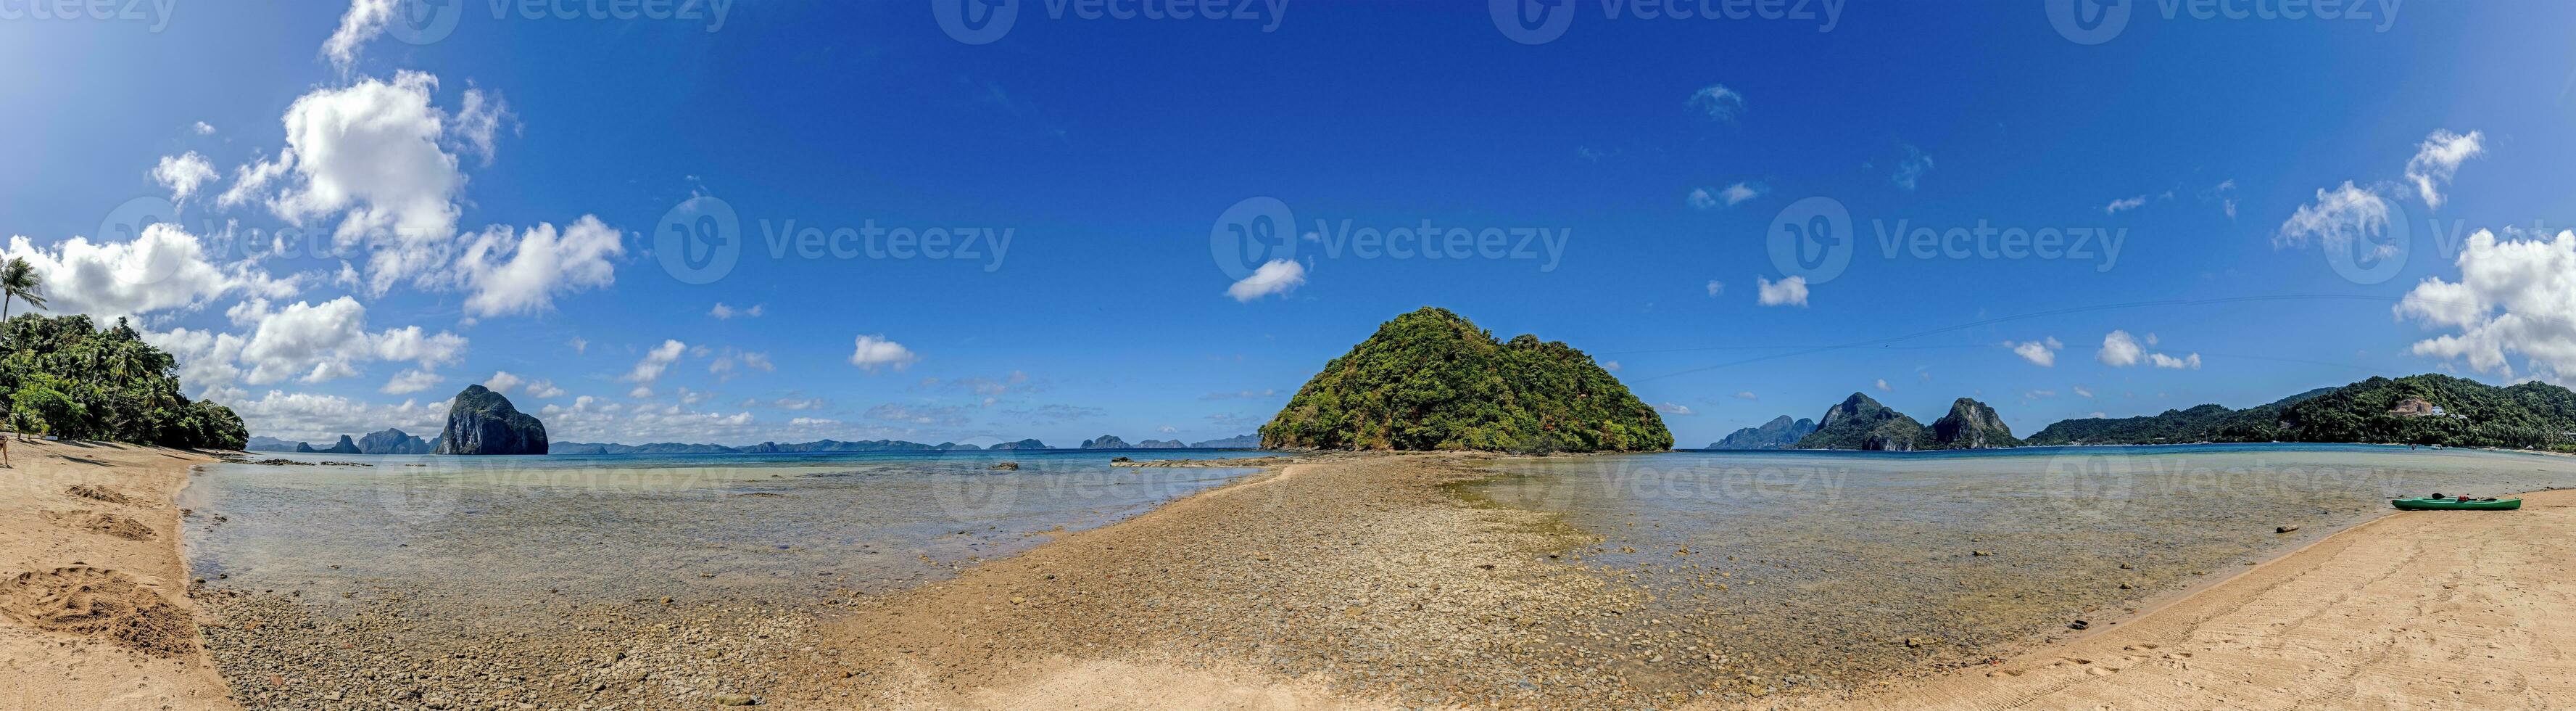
203	129
1718	102
410	381
2338	216
506	273
1673	408
2438	158
1278	276
2042	353
1882	386
318	342
654	362
1791	291
365	20
163	268
315	417
182	174
722	311
543	389
1716	287
2121	350
2513	296
1747	395
502	381
2124	205
874	351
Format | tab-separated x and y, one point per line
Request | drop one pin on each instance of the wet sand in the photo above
2423	609
94	610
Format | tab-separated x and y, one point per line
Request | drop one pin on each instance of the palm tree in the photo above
19	281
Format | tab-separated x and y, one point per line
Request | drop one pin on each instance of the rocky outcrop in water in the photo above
1971	425
483	422
393	441
1859	422
1779	433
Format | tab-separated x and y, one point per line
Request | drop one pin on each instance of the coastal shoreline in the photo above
96	594
1333	581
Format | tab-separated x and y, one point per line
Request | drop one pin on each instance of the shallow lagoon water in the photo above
1815	569
627	526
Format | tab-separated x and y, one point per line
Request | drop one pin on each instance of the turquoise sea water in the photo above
623	526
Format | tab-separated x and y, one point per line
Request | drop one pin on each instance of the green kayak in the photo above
2455	505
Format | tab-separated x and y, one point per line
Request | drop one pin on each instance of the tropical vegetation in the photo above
1430	380
64	376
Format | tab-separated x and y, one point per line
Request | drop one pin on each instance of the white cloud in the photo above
203	129
2513	296
1731	195
312	417
579	345
2119	350
1671	408
540	263
1610	365
375	154
2042	353
2079	390
364	21
722	311
874	352
1747	395
183	174
543	389
410	381
1716	287
1882	386
478	121
2124	204
164	268
2336	218
1702	199
2224	193
2438	158
1790	291
654	362
1719	102
1279	276
502	381
326	341
2189	362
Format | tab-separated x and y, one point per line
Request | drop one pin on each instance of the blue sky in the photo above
490	202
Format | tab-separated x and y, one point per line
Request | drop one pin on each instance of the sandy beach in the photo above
94	610
2423	609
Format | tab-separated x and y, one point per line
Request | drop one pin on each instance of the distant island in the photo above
1779	433
1430	380
481	422
879	445
2424	409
